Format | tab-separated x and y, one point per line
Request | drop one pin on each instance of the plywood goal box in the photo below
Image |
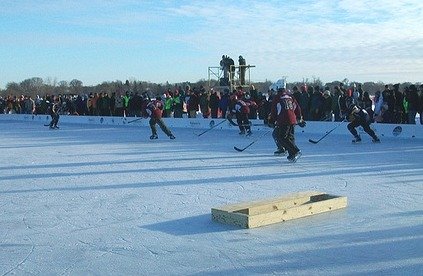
265	212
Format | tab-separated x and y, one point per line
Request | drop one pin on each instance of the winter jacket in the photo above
241	107
284	110
154	109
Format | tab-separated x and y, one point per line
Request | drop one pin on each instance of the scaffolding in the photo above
237	76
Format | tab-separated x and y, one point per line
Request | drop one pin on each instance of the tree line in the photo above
41	87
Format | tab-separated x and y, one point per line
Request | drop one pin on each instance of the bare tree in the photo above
75	86
13	88
32	86
62	88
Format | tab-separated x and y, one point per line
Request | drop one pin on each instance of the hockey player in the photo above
53	110
154	110
359	117
241	111
284	113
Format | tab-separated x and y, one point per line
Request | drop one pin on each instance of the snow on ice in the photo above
105	200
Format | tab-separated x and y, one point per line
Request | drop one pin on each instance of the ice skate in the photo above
357	139
376	140
280	152
294	158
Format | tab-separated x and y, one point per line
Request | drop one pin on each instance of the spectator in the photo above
335	104
119	111
398	105
187	95
125	102
204	104
214	103
342	102
29	105
327	106
316	104
254	94
263	108
178	107
224	65
103	104
367	104
242	69
2	105
79	105
388	98
168	104
135	105
420	109
193	103
303	99
224	103
412	97
113	103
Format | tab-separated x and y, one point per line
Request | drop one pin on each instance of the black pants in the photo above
277	138
243	122
285	137
364	124
54	119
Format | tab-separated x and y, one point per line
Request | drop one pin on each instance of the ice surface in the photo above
101	200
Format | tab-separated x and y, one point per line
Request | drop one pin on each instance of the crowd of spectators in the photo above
392	105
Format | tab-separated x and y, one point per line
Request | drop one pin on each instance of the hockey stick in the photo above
327	133
253	142
231	121
207	130
135	120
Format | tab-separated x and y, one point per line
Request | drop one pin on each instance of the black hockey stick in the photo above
207	130
253	142
327	133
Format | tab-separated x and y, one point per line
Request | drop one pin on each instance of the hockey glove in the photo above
302	123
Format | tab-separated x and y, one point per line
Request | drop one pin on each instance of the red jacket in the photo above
241	107
155	109
285	110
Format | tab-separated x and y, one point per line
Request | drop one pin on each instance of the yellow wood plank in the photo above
267	202
304	210
269	211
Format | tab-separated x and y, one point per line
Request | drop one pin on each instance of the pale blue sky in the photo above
176	41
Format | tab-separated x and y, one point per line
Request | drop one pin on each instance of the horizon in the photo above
166	41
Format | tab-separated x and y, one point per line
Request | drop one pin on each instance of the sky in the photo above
93	199
177	41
